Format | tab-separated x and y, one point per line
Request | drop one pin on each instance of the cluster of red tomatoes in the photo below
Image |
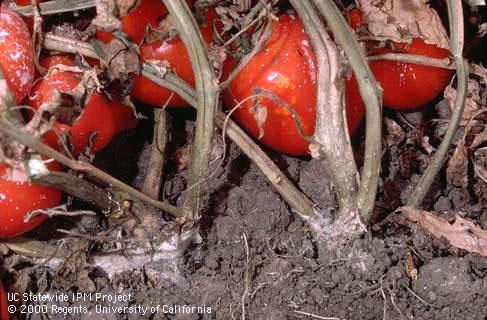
285	66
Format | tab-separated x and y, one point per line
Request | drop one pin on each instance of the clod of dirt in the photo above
449	281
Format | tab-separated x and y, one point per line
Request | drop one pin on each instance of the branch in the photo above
455	14
207	94
55	7
76	187
371	95
332	142
155	171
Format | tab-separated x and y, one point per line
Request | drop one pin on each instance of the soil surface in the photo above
258	260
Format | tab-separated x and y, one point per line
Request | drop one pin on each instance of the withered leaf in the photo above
457	169
412	19
480	163
462	233
106	19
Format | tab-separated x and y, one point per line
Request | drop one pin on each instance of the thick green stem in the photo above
373	105
455	14
332	142
207	93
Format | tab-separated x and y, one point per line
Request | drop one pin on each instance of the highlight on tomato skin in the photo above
174	52
16	60
286	66
407	85
18	198
100	116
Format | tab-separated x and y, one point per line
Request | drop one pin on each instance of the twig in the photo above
155	171
245	60
246	276
445	63
15	133
393	302
55	7
315	316
76	187
455	14
207	94
384	317
372	99
417	297
61	210
62	44
333	146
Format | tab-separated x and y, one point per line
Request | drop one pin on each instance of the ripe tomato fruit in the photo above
16	59
286	66
174	52
101	116
407	85
17	198
147	12
355	18
3	304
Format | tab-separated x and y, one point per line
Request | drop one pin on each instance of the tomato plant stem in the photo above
55	7
333	146
155	170
372	98
207	94
414	58
77	187
455	15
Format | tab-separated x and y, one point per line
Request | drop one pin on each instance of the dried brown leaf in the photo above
411	270
106	19
402	20
122	59
462	233
480	163
125	6
473	102
457	170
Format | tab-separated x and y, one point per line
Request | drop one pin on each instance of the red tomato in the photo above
287	67
16	59
148	12
406	85
17	198
101	116
355	18
4	314
174	52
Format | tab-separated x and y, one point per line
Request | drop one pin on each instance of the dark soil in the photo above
259	258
